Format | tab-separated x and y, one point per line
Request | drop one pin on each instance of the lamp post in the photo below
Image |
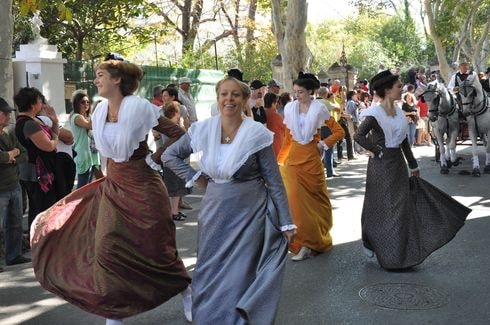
343	64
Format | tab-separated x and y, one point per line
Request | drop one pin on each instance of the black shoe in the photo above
179	216
19	260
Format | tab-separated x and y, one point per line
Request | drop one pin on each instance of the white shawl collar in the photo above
135	119
395	128
205	137
315	117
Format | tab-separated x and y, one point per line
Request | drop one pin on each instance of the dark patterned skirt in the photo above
405	219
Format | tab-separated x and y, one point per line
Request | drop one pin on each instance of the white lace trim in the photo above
150	162
190	183
395	128
206	140
136	118
288	227
315	117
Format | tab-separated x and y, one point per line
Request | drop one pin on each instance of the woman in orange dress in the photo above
302	170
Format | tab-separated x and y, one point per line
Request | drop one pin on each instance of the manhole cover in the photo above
405	296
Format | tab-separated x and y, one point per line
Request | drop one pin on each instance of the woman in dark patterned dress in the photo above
403	219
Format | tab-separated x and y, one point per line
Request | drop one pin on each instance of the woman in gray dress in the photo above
244	224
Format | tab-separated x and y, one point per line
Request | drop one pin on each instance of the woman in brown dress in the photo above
109	247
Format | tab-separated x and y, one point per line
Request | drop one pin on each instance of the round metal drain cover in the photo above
406	296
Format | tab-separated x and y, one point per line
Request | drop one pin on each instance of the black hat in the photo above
5	107
488	70
235	73
256	84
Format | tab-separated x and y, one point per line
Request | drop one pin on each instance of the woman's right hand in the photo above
289	234
202	182
51	113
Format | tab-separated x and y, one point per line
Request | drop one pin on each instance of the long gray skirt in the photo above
405	219
241	256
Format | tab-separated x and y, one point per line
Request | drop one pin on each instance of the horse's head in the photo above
468	93
432	98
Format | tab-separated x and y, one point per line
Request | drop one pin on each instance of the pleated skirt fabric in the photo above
241	256
405	219
109	247
304	180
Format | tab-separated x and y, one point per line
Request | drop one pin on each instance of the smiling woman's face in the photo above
230	98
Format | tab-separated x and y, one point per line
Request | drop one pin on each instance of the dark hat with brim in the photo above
5	107
256	84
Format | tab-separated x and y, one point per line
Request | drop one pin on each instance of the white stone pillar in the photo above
40	65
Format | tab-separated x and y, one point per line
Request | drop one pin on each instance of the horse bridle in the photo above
479	110
435	102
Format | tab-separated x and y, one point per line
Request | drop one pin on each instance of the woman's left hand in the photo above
415	173
289	234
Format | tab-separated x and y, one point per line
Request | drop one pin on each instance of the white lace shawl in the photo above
205	137
136	118
394	127
315	117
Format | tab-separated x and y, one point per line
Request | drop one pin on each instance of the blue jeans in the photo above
11	214
328	161
85	178
411	133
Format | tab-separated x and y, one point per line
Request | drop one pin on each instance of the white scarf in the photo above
315	117
250	138
395	128
136	118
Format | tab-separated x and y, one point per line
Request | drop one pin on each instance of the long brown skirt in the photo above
109	247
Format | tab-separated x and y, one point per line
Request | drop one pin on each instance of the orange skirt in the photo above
309	203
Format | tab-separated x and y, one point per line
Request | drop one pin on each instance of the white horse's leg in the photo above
474	151
486	170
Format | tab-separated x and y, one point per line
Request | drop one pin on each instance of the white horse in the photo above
443	114
476	105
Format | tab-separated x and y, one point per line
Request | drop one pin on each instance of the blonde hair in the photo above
245	89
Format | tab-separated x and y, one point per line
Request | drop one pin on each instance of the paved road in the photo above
451	287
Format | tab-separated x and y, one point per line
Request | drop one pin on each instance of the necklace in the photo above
111	117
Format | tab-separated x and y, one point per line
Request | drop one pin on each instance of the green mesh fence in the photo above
81	75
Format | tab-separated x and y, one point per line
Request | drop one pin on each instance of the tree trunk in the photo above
250	44
444	69
291	39
79	55
6	35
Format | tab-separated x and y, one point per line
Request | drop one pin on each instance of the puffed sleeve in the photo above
338	132
368	124
272	177
175	155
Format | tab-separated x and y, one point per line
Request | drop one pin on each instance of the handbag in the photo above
45	178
